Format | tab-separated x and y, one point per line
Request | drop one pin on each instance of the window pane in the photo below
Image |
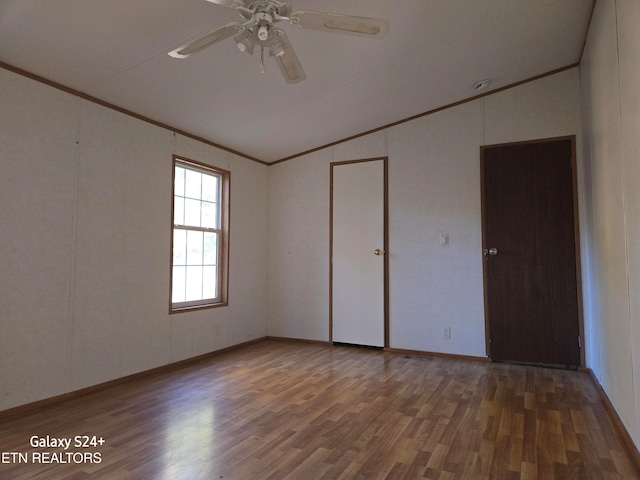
209	215
194	248
210	249
193	188
192	212
178	288
178	211
210	188
194	284
179	247
179	181
199	236
209	283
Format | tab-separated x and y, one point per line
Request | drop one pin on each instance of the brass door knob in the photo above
377	251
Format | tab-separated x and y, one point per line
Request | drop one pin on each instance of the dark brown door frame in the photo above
385	161
576	227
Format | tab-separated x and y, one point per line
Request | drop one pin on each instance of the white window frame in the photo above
221	229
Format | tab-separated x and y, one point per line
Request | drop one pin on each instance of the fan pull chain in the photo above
262	60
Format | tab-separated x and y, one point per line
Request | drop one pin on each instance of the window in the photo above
200	236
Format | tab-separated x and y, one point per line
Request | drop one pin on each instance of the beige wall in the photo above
84	288
434	188
611	104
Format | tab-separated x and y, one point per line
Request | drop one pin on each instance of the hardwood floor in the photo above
280	410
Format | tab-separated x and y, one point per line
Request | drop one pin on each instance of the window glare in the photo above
178	211
192	212
194	283
194	248
179	247
178	287
209	284
209	188
193	184
179	182
210	249
209	215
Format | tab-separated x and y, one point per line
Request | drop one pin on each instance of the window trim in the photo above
223	266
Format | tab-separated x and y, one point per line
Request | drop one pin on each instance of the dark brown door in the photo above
529	246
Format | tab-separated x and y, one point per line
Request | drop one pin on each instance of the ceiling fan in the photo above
258	28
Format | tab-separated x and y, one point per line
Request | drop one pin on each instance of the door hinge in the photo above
579	342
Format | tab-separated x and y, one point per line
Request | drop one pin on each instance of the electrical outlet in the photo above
446	333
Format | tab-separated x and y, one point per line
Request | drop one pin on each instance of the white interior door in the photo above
358	270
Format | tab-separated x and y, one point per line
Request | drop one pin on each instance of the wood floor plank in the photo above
281	410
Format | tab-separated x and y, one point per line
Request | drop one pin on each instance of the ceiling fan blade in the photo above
226	3
333	22
205	40
287	60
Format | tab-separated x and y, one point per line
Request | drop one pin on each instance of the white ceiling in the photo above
116	51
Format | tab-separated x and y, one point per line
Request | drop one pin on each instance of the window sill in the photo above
192	308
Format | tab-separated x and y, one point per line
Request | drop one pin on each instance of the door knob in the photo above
492	251
377	251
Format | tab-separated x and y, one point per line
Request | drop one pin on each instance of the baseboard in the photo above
299	340
30	407
615	419
451	356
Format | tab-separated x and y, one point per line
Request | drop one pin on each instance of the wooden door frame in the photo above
385	163
576	236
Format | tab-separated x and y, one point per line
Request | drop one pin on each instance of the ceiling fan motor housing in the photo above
275	9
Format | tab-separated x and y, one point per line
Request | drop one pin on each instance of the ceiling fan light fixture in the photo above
277	48
245	41
264	20
263	32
